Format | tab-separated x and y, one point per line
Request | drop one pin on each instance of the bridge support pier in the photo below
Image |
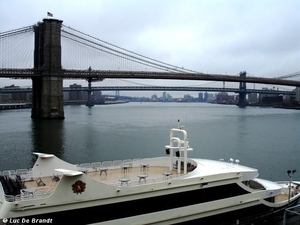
47	89
47	102
242	94
90	103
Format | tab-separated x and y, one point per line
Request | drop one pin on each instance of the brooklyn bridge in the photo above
59	52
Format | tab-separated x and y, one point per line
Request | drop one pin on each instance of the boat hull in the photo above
133	212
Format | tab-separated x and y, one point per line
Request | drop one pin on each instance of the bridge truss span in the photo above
111	74
102	74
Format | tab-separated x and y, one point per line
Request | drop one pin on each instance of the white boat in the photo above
171	189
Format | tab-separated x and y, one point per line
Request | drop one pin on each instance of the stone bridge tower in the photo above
242	95
47	90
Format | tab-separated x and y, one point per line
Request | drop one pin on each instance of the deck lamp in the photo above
290	174
167	151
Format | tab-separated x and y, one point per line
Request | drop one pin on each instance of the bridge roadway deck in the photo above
154	88
102	74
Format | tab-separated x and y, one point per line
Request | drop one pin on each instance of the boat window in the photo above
255	185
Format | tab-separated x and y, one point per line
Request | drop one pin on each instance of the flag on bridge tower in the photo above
49	14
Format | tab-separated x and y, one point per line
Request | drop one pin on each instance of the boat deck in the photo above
113	175
131	175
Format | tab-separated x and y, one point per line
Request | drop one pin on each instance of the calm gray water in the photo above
263	138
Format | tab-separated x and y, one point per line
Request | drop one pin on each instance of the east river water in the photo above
264	138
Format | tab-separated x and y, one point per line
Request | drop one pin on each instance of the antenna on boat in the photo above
179	127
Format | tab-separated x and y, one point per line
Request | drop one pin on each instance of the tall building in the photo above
200	97
164	96
206	96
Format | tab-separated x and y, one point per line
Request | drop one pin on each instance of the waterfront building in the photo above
77	95
98	95
222	97
270	99
297	90
252	98
66	96
15	97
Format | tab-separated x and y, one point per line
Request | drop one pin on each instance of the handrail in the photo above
9	198
40	192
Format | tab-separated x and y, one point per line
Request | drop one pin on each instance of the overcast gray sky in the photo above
261	37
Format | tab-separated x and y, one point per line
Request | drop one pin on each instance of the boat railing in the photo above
92	167
143	182
41	192
25	174
35	193
9	198
95	165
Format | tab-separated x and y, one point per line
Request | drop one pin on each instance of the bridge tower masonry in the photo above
47	90
242	95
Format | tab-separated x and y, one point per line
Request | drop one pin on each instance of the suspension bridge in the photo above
153	88
59	52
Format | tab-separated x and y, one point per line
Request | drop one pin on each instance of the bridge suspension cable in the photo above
121	52
111	51
295	74
16	31
17	48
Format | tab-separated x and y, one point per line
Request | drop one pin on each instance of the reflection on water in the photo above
48	136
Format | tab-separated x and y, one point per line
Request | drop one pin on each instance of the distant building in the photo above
5	97
75	95
222	97
297	94
66	96
154	98
164	97
15	97
272	99
169	98
98	95
252	98
188	98
209	97
268	99
200	97
206	96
